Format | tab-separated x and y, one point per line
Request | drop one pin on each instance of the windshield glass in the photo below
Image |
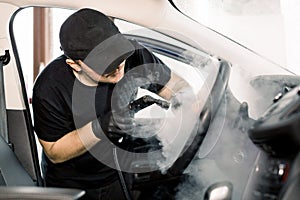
263	26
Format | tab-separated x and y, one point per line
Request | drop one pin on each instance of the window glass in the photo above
23	33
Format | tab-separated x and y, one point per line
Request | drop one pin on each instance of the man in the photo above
78	96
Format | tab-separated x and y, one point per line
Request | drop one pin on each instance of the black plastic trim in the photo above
160	47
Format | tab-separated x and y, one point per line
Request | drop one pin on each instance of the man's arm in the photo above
79	141
175	84
71	145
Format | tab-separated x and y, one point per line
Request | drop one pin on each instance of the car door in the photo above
19	161
20	175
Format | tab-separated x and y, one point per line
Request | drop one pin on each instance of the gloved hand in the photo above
115	125
121	131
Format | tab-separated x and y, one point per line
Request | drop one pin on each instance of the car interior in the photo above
209	77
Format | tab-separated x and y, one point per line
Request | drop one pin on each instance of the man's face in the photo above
112	77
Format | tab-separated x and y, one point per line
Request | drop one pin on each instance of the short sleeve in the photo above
50	119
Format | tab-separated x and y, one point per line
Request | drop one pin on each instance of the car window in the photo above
23	32
23	28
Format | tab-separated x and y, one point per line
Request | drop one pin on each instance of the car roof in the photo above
162	16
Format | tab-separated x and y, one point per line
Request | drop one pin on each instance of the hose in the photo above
121	177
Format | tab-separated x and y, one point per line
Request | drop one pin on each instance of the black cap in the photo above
92	37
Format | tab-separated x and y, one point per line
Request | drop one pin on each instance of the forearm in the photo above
71	145
174	85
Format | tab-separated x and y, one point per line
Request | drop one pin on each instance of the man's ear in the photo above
73	65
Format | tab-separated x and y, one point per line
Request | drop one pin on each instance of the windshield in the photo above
263	26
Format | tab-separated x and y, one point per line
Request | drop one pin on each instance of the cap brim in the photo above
107	55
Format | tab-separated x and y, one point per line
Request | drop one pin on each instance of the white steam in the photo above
227	154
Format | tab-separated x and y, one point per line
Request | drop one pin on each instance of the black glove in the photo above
116	126
120	131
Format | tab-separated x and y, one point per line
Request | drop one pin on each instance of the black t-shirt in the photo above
62	104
